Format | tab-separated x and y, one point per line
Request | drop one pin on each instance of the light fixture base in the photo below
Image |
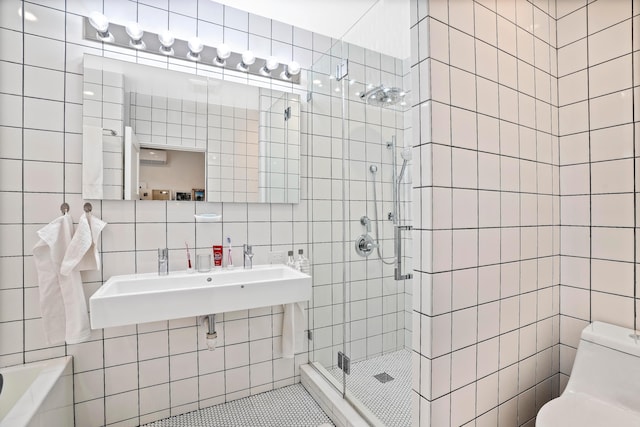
180	50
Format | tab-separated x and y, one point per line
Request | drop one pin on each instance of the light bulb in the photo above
101	24
292	69
166	40
195	47
99	21
248	59
270	64
223	51
135	32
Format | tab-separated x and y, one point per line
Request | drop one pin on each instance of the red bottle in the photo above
217	255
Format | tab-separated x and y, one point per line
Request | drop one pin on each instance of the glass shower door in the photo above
324	155
358	127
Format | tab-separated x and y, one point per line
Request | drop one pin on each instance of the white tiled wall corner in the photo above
484	203
597	185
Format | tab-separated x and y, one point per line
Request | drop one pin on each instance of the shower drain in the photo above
383	377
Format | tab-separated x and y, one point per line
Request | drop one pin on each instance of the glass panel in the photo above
325	218
377	116
358	127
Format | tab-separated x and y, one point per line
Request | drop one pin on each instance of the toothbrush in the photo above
188	256
229	259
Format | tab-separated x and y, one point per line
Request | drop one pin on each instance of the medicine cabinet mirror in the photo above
152	133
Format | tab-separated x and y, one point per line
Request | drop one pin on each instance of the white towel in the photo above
92	163
293	326
62	303
82	253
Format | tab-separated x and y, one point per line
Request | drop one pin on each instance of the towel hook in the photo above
64	208
87	207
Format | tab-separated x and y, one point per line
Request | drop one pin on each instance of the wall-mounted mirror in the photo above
151	133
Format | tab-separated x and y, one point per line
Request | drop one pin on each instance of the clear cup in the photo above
203	263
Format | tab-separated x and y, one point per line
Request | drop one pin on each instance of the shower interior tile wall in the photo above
140	373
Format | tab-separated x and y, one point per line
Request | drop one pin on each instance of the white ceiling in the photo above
384	28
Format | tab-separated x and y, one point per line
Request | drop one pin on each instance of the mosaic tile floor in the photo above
390	401
290	406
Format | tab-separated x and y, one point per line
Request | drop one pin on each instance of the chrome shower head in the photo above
406	156
383	96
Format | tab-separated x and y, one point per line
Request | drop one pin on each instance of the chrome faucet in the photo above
248	256
163	262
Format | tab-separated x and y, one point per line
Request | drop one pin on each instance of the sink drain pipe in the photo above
212	335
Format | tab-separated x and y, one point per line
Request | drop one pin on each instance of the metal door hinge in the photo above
344	363
342	70
287	113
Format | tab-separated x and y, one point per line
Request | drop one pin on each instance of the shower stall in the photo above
359	159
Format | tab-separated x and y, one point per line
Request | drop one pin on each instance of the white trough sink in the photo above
139	298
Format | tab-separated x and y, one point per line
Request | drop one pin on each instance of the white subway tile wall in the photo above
487	244
565	156
597	168
138	374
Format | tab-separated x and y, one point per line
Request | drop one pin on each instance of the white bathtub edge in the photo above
29	403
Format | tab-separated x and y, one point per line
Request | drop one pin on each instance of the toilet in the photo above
604	386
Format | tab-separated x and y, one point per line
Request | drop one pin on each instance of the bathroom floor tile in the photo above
390	401
290	406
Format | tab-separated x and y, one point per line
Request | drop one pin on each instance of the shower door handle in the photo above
398	242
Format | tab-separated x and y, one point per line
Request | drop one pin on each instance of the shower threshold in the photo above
382	385
325	390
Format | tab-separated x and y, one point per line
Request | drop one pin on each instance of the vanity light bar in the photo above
182	49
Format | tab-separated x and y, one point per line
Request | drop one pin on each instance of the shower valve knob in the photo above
365	245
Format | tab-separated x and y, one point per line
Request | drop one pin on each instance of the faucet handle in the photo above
248	249
163	261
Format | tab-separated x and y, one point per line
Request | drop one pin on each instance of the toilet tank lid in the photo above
613	336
